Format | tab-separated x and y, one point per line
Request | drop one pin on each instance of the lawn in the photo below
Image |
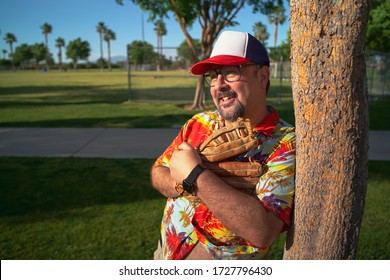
86	99
75	208
101	99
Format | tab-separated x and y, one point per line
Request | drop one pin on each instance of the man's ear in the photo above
264	75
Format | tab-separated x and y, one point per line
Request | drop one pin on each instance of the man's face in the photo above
235	90
228	104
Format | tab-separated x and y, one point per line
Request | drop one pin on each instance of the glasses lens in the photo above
231	74
211	77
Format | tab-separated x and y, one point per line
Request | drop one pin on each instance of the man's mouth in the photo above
225	96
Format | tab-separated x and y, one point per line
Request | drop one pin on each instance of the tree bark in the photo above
331	112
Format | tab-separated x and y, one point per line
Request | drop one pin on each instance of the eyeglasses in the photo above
229	74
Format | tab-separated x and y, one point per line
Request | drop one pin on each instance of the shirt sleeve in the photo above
194	132
165	158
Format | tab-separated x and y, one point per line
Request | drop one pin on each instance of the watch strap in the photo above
189	182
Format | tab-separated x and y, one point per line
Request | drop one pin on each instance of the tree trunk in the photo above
199	95
47	52
109	55
159	52
60	58
275	33
331	112
12	56
101	51
199	92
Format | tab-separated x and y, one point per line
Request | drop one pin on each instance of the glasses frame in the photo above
218	71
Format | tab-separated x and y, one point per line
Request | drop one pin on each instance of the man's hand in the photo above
183	161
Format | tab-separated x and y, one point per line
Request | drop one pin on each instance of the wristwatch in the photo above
189	183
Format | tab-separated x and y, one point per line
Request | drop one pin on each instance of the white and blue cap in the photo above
233	48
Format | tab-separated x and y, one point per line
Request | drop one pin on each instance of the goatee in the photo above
231	114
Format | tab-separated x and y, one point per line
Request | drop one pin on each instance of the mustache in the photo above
222	94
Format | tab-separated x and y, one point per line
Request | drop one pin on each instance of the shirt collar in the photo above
268	124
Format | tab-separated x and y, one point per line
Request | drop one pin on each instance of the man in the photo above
216	220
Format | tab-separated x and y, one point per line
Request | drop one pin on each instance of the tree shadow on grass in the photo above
63	95
59	95
163	121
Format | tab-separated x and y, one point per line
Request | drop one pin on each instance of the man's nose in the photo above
220	83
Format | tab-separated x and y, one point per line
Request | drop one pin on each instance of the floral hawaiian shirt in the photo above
188	221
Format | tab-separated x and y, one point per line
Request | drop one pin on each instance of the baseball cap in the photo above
233	48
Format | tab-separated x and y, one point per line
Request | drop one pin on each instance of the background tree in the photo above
10	39
78	50
276	15
141	53
108	36
331	113
60	42
260	32
22	56
46	30
101	29
100	62
39	53
161	30
184	53
378	29
213	17
4	53
282	52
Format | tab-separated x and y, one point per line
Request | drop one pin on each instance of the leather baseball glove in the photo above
234	139
240	175
226	143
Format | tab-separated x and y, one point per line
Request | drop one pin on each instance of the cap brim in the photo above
216	61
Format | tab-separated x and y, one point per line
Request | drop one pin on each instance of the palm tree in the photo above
108	36
46	29
277	17
60	42
160	31
11	39
76	50
260	32
101	29
4	53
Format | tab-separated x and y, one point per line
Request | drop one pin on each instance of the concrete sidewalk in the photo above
117	142
80	142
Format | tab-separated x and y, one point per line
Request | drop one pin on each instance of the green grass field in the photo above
85	99
75	208
100	99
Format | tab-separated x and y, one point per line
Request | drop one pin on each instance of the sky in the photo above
71	19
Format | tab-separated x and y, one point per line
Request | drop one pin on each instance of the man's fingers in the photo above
185	146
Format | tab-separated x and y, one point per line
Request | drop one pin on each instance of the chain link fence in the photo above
169	62
378	74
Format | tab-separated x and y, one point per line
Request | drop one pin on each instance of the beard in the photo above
232	111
